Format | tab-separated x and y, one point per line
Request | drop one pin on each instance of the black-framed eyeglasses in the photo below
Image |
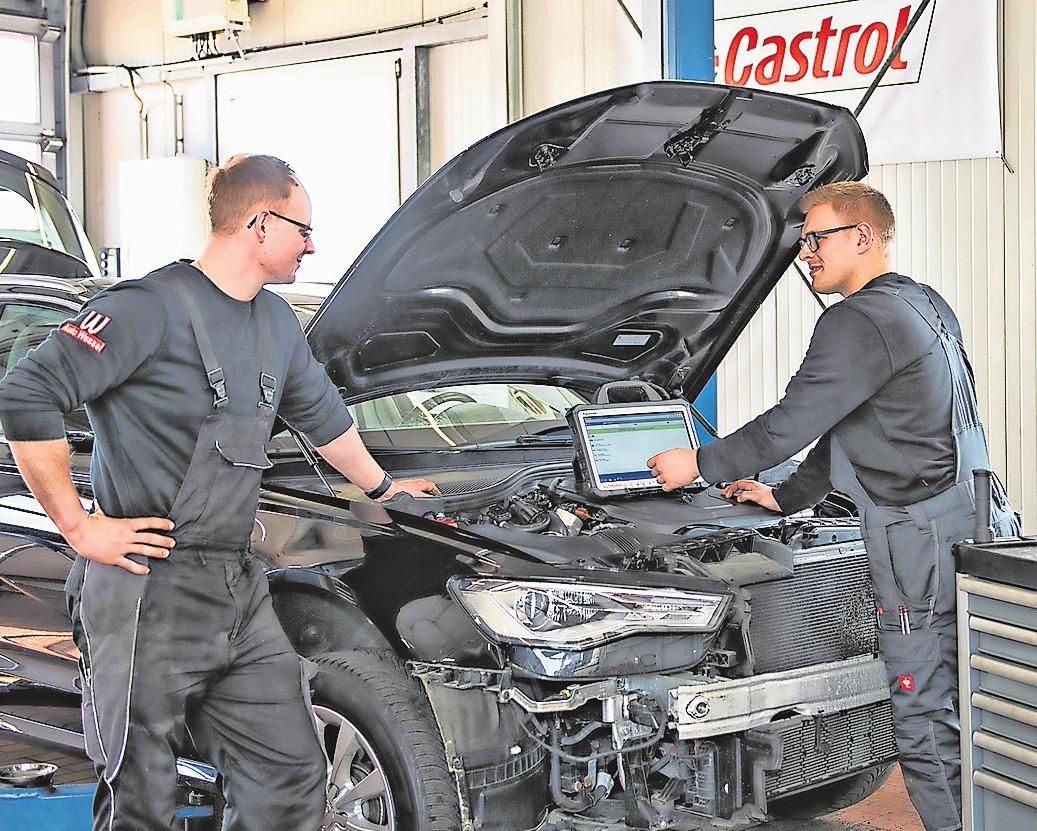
812	240
304	229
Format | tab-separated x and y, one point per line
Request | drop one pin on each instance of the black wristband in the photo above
383	486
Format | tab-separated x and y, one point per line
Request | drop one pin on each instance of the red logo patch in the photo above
94	322
907	683
83	336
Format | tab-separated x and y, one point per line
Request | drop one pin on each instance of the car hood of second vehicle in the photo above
630	233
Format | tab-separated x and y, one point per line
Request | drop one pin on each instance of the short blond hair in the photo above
855	202
244	185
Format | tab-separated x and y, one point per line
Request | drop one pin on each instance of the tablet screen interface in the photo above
620	441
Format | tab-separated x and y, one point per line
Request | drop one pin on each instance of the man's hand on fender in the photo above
415	487
107	540
749	490
675	468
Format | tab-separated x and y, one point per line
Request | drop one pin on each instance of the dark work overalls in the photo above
194	650
912	569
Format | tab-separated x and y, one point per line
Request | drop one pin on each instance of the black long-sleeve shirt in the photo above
876	378
132	359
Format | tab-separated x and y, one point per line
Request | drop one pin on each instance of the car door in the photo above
35	632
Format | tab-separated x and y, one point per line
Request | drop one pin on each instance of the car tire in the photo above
395	749
831	797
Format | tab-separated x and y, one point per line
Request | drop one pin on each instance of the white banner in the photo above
938	100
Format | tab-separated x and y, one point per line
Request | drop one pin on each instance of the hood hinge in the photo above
685	144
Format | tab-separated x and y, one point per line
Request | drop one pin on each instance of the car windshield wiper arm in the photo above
544	441
519	441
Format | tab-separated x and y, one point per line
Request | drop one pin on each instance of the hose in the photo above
583	800
651	741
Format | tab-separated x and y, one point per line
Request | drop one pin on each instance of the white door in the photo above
336	123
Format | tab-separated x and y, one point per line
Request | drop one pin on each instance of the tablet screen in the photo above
619	440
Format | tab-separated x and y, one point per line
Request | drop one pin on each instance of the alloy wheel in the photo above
359	798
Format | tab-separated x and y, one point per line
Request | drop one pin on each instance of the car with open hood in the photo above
547	644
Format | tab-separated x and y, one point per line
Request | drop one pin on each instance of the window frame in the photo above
49	131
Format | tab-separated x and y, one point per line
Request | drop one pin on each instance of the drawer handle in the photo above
1013	672
997	591
1005	787
1003	747
1008	709
1003	630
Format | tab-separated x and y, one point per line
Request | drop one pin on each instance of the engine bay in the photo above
695	532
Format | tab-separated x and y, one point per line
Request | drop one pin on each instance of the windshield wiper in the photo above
518	441
544	441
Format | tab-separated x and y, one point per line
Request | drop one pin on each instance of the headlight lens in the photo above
560	615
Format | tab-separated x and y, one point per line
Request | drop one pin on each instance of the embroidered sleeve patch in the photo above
87	330
907	683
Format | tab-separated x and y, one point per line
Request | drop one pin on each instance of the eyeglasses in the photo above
304	229
812	240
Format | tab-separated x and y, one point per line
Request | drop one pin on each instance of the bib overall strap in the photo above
267	380
213	370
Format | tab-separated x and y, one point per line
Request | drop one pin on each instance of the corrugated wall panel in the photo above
1020	28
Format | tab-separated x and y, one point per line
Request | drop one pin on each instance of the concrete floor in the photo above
888	809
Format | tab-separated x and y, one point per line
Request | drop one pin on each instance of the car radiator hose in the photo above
586	798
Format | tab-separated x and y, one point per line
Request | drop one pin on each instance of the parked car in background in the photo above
524	652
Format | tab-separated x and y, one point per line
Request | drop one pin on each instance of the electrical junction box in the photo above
189	18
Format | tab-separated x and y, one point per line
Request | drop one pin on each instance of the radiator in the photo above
814	750
825	612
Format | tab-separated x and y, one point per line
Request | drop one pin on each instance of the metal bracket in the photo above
545	155
571	698
686	144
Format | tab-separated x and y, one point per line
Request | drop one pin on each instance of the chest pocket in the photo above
244	454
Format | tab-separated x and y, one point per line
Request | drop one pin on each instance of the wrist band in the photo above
383	486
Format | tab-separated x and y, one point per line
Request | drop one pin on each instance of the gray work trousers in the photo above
910	553
194	650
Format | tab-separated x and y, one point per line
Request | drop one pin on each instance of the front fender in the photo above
320	613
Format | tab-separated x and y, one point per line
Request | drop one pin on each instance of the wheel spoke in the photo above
353	756
371	786
346	748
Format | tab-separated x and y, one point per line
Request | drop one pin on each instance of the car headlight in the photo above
567	615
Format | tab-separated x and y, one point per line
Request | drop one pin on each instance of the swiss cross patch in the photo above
86	331
907	683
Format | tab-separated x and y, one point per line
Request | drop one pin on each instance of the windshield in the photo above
33	211
463	414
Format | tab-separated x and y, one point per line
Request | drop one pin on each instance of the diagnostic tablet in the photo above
613	441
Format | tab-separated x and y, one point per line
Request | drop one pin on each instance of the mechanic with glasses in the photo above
183	373
887	390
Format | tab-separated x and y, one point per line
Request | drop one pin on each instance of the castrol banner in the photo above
938	100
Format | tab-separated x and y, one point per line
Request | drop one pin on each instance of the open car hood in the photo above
630	233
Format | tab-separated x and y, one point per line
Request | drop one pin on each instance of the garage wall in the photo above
119	32
966	228
572	47
466	81
459	99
